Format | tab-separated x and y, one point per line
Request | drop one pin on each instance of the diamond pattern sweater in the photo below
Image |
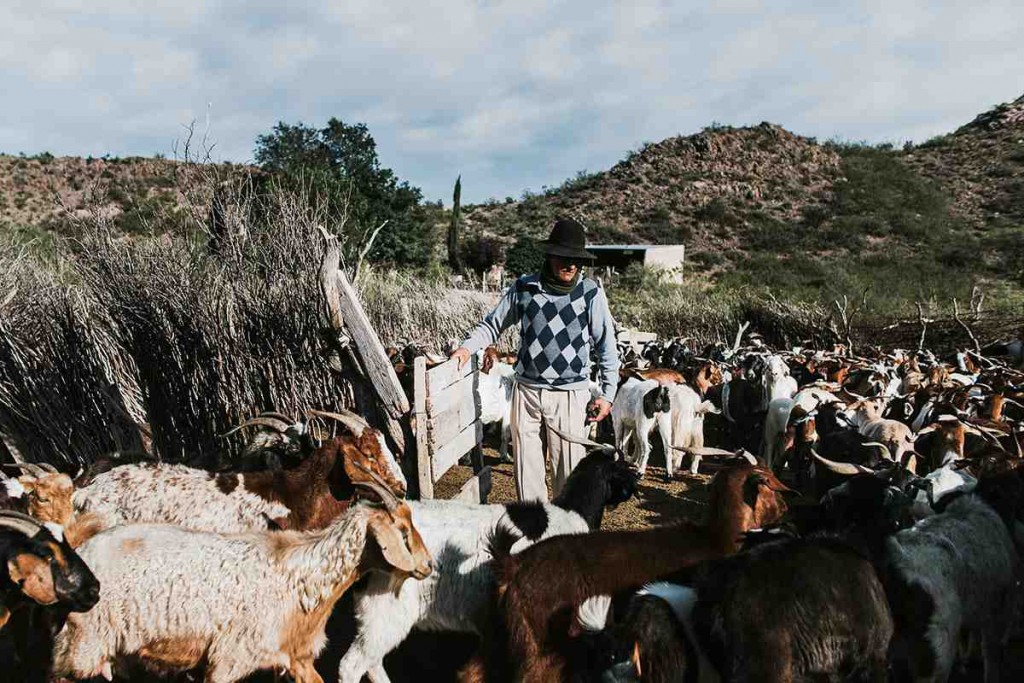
556	334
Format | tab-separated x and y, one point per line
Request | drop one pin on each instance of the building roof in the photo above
633	246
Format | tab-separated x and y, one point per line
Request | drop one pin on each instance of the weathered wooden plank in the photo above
477	488
449	453
451	397
448	373
380	373
460	414
423	454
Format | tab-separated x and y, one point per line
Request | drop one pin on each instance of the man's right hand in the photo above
460	354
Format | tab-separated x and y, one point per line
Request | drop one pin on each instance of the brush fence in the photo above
447	409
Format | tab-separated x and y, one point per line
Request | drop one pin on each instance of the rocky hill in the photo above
760	205
43	192
981	164
684	189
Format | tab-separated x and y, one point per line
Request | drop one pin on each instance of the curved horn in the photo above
582	441
273	423
378	486
31	468
16	521
280	416
346	417
47	467
841	467
703	450
886	453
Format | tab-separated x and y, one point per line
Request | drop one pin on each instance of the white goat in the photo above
639	407
776	382
688	413
238	603
896	436
494	389
776	421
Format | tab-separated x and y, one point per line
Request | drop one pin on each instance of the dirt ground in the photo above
659	500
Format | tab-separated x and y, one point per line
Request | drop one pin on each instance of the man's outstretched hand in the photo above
460	354
598	409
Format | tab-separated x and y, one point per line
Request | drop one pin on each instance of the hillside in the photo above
761	205
43	192
755	206
981	164
694	189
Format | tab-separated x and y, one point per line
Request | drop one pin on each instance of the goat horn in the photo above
703	450
30	467
841	467
886	453
280	416
583	441
273	423
16	521
346	417
378	486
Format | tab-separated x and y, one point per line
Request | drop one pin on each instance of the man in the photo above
560	314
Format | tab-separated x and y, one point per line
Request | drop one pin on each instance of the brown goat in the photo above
540	588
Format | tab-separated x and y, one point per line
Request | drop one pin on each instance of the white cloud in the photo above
512	93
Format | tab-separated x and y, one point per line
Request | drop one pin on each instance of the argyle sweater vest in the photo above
554	332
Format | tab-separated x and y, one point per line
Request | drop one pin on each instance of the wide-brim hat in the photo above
568	240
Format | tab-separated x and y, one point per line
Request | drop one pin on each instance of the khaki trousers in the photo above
567	411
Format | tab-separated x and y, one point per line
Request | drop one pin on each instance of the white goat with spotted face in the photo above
640	406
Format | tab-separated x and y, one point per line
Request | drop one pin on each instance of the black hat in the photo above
567	240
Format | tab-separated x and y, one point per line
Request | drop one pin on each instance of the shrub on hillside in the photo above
525	256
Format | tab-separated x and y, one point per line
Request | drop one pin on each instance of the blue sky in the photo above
511	94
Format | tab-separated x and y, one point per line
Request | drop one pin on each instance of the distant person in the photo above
560	314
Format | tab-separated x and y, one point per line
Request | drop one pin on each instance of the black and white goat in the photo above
640	406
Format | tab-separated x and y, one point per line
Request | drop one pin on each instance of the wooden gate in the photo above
447	410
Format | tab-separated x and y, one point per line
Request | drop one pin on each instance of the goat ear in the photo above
5	614
33	574
389	540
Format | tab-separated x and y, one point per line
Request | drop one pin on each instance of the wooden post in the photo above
379	371
423	469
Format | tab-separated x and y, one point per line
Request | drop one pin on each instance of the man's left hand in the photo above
602	406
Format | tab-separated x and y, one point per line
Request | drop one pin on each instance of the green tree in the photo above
525	256
338	165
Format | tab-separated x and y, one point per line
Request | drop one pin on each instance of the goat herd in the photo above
875	535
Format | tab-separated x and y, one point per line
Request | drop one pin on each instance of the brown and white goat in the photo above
309	496
540	588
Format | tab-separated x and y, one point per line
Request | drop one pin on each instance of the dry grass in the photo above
189	337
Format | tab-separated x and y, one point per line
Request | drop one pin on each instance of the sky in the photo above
511	94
